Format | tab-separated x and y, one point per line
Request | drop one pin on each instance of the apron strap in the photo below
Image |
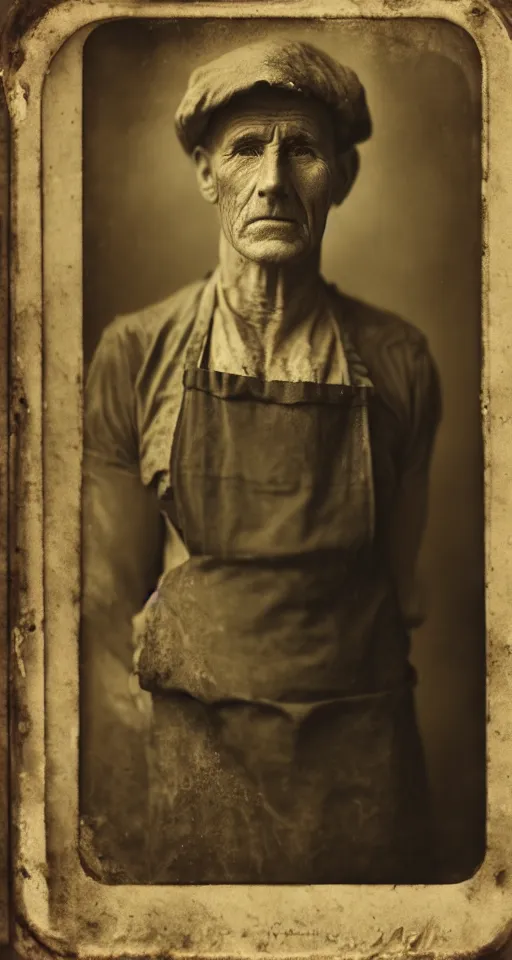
358	370
202	323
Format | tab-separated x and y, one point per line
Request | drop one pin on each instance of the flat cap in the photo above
286	65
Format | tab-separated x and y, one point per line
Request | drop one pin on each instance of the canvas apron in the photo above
285	743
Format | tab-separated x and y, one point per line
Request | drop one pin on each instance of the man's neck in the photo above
269	299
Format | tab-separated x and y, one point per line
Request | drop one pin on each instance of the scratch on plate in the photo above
18	639
18	99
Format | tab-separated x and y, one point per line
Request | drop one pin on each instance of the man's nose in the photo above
272	174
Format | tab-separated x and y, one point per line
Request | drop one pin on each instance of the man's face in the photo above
270	165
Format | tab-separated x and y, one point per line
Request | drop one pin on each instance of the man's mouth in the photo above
271	218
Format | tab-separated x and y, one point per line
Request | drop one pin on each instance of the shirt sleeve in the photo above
409	515
109	417
122	538
122	526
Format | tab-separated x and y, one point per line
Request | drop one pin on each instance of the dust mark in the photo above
17	97
502	8
18	639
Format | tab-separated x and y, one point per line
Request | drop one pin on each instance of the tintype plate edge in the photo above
95	920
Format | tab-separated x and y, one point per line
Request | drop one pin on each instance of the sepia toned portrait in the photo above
282	323
259	479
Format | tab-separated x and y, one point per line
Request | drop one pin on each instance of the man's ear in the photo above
204	173
347	170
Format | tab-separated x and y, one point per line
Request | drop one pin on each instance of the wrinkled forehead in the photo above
265	109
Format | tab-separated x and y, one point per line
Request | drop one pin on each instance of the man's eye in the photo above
301	150
248	150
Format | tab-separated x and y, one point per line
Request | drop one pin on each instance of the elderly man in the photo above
257	451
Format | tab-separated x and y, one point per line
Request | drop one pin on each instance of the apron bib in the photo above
285	744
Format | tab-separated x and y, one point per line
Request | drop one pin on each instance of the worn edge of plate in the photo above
4	527
60	910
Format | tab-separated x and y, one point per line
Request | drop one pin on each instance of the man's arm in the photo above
121	560
409	515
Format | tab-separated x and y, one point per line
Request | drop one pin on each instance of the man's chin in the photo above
273	251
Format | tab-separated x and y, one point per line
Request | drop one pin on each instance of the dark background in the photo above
408	239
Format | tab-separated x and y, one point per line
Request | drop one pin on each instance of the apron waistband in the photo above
301	710
234	386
